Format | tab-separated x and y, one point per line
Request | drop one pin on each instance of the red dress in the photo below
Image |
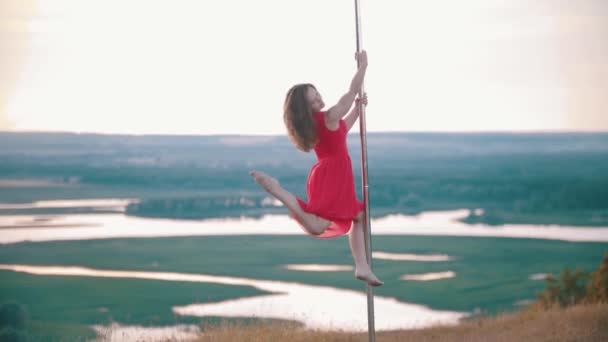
331	185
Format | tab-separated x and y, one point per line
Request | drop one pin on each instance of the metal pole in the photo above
371	329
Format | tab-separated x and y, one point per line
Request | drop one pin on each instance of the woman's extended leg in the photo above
312	223
357	247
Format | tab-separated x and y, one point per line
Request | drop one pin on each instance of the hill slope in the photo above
577	323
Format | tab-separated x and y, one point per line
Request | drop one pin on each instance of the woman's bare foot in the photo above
368	276
270	184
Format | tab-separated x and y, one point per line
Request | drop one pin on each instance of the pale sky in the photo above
224	66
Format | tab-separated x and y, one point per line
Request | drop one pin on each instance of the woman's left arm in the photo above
337	112
352	117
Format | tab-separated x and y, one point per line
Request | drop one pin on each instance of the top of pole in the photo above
358	27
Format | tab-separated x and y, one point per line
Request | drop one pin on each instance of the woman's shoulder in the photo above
321	118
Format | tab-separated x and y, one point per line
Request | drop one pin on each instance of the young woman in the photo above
332	209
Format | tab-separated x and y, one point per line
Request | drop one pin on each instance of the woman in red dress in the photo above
332	208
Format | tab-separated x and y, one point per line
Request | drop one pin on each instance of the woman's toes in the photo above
369	277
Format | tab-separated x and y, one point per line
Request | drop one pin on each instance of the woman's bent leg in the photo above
313	224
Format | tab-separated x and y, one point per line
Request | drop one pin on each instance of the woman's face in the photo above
314	99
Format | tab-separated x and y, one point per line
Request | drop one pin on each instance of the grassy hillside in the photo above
578	323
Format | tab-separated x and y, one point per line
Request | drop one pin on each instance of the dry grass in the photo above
577	323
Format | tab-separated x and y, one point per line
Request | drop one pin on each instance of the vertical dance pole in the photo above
371	329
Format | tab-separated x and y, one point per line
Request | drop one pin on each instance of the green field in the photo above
491	274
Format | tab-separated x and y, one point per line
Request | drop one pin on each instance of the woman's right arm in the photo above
355	112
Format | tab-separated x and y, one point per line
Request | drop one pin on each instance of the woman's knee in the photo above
318	228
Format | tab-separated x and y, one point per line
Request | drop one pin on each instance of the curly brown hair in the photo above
297	115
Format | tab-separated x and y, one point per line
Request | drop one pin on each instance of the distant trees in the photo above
576	287
569	289
597	291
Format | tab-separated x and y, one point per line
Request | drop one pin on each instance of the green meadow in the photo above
492	274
